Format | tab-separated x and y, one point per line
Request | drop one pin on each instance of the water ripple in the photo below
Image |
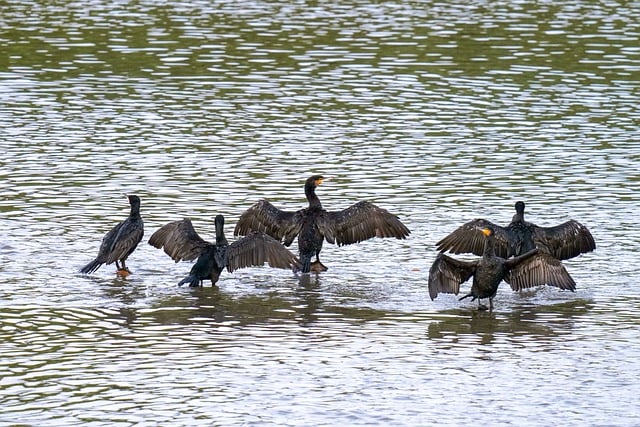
440	113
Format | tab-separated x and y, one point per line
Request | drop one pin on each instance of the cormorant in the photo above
120	242
181	242
314	224
523	271
563	241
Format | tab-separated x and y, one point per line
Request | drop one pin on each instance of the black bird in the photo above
120	242
523	271
313	225
181	242
563	241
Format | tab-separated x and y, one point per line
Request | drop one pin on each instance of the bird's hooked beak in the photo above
486	231
323	179
320	181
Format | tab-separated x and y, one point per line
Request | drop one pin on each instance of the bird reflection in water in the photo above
542	323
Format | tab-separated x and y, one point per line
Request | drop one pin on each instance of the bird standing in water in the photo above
313	224
523	271
181	242
561	242
120	242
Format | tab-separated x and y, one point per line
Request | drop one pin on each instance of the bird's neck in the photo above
519	216
135	212
220	239
314	201
488	247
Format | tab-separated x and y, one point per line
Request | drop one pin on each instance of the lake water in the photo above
437	111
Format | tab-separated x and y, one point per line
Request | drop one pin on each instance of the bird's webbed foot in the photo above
123	272
318	267
483	307
121	269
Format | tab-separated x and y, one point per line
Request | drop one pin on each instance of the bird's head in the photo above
316	180
133	199
520	207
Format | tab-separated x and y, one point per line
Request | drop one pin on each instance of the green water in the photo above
436	111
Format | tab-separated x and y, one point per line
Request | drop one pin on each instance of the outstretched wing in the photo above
564	241
446	274
539	269
264	217
180	240
360	222
257	248
468	238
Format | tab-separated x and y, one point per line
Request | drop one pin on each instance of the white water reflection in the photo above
438	112
238	368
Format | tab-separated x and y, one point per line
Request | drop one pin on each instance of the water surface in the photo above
438	112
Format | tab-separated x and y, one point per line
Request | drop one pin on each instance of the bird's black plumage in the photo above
523	271
181	242
563	241
313	224
121	241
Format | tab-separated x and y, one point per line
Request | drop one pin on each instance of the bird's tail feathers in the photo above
91	267
305	263
192	280
473	297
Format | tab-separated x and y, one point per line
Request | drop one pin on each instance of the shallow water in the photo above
437	112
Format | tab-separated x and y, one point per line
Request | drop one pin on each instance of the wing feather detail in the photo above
446	274
361	221
540	269
259	248
468	238
179	240
265	217
127	236
564	241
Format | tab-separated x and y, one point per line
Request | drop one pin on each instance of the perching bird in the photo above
120	242
563	241
181	242
313	225
523	271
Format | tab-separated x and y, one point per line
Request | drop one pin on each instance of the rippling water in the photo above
437	111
